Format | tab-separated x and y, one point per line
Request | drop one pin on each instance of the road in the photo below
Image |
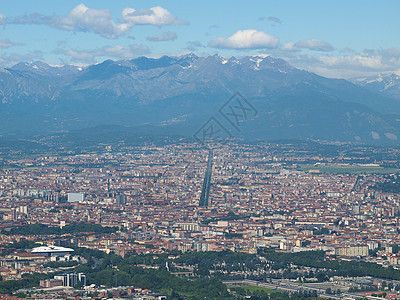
205	192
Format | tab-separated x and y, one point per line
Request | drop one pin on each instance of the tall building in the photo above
71	279
22	209
13	214
120	199
53	196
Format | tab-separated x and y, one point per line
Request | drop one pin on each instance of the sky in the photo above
333	38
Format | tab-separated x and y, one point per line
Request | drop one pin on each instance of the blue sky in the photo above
334	38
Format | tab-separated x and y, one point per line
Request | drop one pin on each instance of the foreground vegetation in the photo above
318	259
209	269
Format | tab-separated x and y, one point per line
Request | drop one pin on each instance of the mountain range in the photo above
386	84
177	95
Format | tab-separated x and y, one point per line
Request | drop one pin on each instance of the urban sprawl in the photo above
287	197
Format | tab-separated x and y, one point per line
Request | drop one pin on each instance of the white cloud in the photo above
129	52
3	19
368	61
310	44
157	16
166	36
338	65
78	55
246	39
6	43
85	19
290	46
314	44
344	63
82	18
115	52
359	61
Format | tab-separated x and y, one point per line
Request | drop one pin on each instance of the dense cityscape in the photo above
145	202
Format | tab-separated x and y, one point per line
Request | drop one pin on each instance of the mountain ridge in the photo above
387	83
292	103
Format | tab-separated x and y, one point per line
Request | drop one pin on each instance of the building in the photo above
357	250
71	279
53	196
76	197
49	283
189	226
48	251
29	256
120	199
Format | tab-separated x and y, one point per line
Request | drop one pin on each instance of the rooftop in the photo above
51	249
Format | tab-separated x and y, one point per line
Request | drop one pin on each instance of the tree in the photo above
174	295
384	284
322	277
